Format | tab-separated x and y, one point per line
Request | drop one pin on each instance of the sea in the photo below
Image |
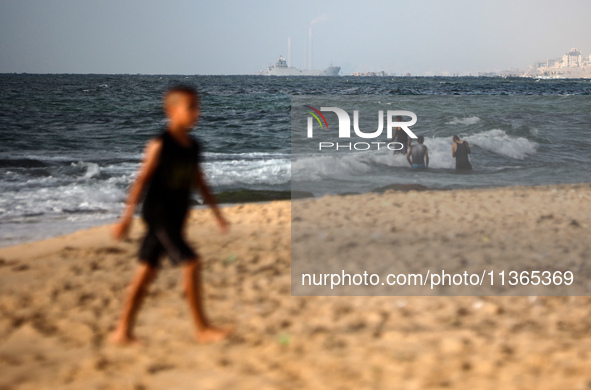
70	145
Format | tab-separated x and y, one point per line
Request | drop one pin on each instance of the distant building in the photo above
513	72
571	65
487	74
572	59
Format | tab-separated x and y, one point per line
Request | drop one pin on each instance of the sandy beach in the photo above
60	299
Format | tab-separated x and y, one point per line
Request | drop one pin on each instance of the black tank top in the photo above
462	160
168	195
402	137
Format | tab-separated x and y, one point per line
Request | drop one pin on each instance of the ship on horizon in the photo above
281	69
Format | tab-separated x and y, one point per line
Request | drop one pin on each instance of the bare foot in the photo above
122	339
209	335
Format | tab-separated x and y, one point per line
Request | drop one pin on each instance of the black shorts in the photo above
160	239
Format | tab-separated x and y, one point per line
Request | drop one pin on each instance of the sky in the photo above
422	37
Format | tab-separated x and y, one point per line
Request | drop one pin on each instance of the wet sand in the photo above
60	299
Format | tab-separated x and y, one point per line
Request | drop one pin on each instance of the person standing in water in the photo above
401	137
419	154
460	151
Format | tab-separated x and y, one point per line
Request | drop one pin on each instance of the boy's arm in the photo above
209	199
426	158
146	171
408	156
393	136
468	147
453	150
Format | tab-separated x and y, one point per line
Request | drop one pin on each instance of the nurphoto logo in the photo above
394	119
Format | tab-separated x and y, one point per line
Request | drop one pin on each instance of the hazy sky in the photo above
242	37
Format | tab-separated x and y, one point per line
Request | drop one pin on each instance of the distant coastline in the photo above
571	65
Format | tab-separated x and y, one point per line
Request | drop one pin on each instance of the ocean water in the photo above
70	144
515	139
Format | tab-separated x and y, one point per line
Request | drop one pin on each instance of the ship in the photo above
281	69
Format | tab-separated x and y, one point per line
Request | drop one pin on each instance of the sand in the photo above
60	299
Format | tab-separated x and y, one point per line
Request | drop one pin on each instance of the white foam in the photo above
92	169
316	168
347	165
98	196
470	120
248	172
499	142
250	155
66	190
440	153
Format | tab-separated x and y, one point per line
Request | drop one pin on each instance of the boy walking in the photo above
169	170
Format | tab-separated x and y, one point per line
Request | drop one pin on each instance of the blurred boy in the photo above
169	170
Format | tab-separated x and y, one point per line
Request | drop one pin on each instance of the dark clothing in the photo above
462	160
402	137
167	201
417	154
161	239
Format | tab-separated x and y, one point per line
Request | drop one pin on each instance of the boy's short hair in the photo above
180	90
420	139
